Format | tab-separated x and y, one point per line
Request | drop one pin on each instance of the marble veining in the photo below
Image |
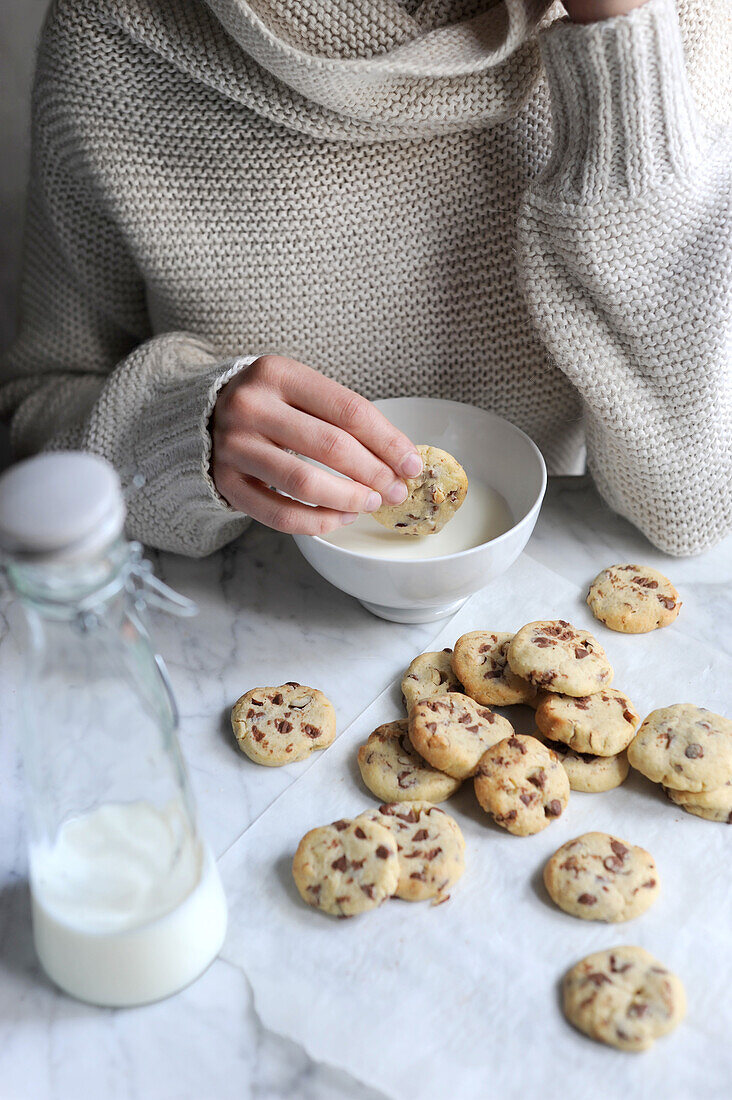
265	617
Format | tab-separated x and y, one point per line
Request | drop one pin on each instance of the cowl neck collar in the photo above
360	69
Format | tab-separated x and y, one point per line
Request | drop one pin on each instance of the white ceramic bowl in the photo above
426	589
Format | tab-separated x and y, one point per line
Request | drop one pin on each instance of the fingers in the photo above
334	447
256	500
322	397
280	404
303	481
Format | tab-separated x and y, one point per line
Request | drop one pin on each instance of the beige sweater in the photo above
409	195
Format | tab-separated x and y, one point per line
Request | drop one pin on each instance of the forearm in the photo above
626	263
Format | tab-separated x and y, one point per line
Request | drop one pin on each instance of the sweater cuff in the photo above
227	372
623	117
204	520
151	422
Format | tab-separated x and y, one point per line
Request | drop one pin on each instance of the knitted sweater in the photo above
471	199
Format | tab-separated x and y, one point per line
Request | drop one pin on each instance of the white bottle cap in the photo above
65	505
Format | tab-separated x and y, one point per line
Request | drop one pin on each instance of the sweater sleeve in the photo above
85	372
625	254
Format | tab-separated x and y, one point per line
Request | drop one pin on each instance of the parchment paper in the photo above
462	1000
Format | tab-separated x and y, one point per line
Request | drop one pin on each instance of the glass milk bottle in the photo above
126	899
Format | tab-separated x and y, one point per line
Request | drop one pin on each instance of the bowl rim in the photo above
411	562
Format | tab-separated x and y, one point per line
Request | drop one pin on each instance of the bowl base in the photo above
414	614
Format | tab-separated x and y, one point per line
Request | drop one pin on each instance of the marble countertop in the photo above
265	617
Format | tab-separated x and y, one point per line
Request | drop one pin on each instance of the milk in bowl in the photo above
416	579
484	515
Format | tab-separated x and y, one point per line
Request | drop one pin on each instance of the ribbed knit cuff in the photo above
190	515
623	117
151	423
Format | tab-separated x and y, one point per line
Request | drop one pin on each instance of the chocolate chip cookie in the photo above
276	725
393	770
453	731
633	599
430	845
599	877
588	773
433	497
623	997
713	805
479	662
603	724
522	785
559	657
685	747
429	674
348	867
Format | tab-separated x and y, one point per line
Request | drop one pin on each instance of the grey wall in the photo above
20	23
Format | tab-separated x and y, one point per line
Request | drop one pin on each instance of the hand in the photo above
277	404
593	11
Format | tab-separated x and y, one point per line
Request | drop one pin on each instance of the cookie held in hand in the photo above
633	599
433	497
276	725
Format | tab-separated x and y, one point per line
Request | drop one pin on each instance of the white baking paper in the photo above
462	1000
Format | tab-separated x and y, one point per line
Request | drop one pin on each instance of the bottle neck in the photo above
63	589
69	590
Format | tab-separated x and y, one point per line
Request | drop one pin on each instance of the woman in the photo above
475	199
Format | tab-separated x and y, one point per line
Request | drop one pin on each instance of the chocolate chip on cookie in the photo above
522	785
623	997
394	771
276	725
559	657
348	867
600	877
685	747
430	846
433	497
479	662
603	724
453	731
633	599
429	674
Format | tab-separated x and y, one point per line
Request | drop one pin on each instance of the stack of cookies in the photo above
451	733
565	675
689	751
410	850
